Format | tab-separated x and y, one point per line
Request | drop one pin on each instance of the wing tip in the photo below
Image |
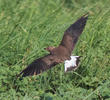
84	18
20	74
35	68
86	15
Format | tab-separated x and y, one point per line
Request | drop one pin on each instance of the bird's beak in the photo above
45	48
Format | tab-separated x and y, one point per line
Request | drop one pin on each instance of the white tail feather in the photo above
72	63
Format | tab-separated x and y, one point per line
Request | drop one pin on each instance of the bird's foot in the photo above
72	64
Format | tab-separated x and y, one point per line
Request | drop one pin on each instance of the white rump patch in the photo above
71	64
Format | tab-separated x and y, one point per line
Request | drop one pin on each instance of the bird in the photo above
60	54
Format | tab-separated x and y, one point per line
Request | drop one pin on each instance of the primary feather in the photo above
72	34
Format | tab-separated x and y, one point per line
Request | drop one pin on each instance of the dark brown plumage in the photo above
58	54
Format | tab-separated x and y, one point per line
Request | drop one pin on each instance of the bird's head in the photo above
49	48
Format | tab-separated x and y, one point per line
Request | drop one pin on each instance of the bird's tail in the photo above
72	64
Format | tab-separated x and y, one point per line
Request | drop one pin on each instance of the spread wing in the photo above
40	65
69	40
72	34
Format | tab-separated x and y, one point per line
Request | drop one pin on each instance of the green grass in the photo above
28	26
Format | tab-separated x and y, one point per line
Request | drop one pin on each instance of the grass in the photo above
28	26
